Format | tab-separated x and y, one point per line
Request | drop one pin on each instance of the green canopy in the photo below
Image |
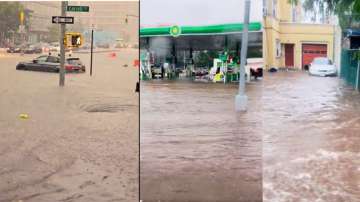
200	30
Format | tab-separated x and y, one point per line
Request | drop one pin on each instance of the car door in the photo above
37	63
52	64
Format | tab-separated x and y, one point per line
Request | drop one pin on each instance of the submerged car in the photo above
322	66
48	63
32	49
14	49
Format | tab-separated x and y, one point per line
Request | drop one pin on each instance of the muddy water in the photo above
194	147
311	139
80	142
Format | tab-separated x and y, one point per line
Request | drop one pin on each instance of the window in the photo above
322	61
41	59
265	8
293	13
53	59
274	8
278	48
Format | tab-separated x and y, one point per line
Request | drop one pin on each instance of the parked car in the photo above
14	49
48	63
322	66
32	49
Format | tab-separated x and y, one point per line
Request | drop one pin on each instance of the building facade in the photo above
39	18
289	42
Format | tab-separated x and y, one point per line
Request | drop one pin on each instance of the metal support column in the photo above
62	48
241	99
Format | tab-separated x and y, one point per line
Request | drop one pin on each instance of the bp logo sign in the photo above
175	31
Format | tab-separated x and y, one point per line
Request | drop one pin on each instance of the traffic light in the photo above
76	40
73	39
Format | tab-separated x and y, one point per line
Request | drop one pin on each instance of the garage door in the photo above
311	51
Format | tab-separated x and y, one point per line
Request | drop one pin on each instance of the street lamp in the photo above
241	98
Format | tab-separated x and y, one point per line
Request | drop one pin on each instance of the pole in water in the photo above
357	76
137	87
62	48
241	99
91	51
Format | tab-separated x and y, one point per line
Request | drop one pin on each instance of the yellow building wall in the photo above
285	11
283	29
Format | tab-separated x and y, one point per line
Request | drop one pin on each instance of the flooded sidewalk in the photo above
195	147
311	139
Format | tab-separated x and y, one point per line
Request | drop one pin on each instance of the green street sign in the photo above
175	31
78	8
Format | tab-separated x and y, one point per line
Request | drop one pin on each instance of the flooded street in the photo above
299	140
80	142
195	147
311	139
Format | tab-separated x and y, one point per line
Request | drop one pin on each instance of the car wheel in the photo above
20	67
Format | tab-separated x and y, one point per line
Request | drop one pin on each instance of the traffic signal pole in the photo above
91	50
62	48
241	98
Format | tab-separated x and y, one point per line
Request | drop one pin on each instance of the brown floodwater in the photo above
311	139
195	147
298	141
80	142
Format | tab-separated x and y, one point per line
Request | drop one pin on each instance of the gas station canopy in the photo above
209	37
201	30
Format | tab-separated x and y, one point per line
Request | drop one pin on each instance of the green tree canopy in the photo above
348	11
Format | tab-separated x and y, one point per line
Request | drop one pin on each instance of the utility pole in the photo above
62	48
91	49
241	99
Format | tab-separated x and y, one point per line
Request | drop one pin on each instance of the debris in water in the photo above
24	116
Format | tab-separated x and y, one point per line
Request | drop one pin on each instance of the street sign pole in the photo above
62	48
241	99
91	50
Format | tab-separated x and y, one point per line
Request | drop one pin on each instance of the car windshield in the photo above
74	61
321	61
53	59
41	59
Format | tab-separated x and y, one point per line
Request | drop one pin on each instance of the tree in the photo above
348	11
9	18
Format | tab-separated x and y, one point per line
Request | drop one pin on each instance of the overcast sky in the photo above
196	12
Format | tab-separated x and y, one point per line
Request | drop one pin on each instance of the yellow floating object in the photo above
24	116
218	77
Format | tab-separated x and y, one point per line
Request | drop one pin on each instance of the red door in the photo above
289	55
311	51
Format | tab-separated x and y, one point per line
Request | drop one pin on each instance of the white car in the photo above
322	66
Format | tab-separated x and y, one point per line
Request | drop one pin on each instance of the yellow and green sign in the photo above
175	31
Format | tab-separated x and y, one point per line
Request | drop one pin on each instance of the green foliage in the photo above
348	11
